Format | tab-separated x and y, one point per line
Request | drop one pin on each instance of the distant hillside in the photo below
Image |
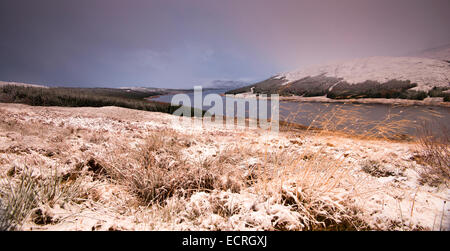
154	91
374	77
82	97
226	84
439	53
3	83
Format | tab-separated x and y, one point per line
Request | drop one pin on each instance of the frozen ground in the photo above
259	180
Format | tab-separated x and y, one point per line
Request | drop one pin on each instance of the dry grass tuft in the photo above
321	211
157	170
314	188
25	194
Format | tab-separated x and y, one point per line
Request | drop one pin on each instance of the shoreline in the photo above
322	99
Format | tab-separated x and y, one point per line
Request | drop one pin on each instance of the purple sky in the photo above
180	43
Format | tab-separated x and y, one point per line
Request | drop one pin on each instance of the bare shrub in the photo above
434	155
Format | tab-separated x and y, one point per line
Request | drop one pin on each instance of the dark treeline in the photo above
440	92
83	97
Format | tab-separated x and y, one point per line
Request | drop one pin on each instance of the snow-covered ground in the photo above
378	179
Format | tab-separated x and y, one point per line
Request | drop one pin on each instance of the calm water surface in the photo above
385	120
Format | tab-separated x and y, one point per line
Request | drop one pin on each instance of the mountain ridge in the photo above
371	77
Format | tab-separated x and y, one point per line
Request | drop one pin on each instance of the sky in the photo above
182	43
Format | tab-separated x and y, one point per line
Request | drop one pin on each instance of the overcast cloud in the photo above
178	44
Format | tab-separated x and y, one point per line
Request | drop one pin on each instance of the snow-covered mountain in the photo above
386	77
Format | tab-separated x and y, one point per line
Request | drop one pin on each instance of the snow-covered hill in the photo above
439	53
372	77
425	72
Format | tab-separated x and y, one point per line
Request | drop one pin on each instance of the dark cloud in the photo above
180	43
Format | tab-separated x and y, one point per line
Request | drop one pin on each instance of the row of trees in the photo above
81	97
